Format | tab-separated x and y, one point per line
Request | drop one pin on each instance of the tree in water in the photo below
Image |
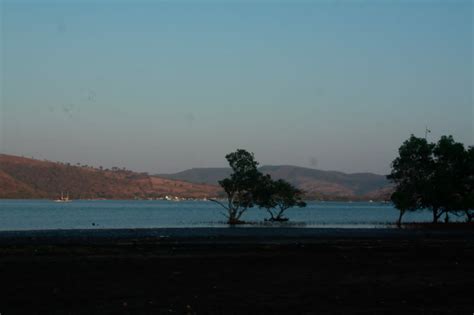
404	200
447	181
411	172
467	204
437	176
278	196
240	186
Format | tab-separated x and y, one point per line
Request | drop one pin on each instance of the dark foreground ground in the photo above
243	272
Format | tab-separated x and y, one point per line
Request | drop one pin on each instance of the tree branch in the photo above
282	209
271	213
239	213
219	203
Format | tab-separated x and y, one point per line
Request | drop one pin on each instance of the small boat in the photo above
63	199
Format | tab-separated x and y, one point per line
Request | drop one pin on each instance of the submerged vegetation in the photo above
434	176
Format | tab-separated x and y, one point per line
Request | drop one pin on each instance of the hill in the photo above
316	183
29	178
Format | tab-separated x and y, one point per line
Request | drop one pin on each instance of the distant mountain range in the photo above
317	184
22	177
29	178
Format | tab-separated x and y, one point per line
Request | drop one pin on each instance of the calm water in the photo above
43	214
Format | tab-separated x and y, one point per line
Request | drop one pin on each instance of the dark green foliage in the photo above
247	187
431	176
446	182
468	183
405	200
240	186
411	172
278	196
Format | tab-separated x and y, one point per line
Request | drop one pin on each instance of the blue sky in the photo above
164	86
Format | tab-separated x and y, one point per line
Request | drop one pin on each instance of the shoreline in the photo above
227	234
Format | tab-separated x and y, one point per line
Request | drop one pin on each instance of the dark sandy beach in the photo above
237	271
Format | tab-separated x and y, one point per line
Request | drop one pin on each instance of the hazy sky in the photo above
165	86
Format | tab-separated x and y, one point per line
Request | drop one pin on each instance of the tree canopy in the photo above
278	196
247	187
433	176
240	186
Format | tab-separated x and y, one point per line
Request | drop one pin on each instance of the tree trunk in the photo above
234	217
231	217
469	216
446	217
279	216
436	215
272	218
234	221
399	221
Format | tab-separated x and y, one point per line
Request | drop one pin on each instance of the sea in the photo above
16	215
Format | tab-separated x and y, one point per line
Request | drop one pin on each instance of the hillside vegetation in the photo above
29	178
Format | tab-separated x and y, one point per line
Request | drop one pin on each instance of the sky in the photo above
165	86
